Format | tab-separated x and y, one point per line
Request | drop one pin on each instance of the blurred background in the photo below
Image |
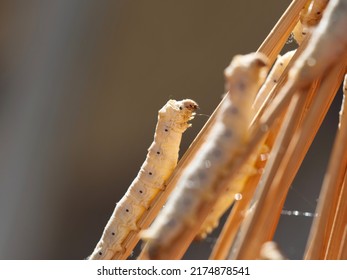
81	83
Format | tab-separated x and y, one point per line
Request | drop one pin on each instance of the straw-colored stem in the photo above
343	249
299	145
278	36
226	238
236	216
270	47
248	245
329	195
281	82
339	225
237	213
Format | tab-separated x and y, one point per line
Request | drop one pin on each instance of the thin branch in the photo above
329	195
339	225
290	164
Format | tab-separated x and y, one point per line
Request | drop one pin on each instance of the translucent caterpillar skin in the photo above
162	157
227	137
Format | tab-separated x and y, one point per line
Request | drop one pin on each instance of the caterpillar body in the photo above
236	185
224	141
234	189
273	78
309	17
162	157
327	44
312	15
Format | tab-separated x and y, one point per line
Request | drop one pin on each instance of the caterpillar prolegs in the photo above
162	157
224	142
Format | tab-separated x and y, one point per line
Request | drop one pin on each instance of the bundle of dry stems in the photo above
285	117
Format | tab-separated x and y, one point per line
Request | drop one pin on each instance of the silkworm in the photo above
273	78
309	17
224	141
313	14
233	190
162	157
327	44
236	185
298	33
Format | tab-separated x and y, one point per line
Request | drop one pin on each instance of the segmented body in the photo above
223	143
327	44
309	17
273	78
234	189
161	160
236	186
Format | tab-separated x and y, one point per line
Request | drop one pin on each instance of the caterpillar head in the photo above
179	113
246	72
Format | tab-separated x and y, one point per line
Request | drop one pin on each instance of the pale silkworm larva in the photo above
309	17
273	78
327	44
236	185
314	13
298	31
162	157
233	192
224	141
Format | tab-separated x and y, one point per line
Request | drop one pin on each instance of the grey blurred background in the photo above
81	82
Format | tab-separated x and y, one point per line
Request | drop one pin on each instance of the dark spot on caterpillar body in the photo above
217	153
172	222
202	175
187	200
173	115
241	85
234	110
228	133
275	81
